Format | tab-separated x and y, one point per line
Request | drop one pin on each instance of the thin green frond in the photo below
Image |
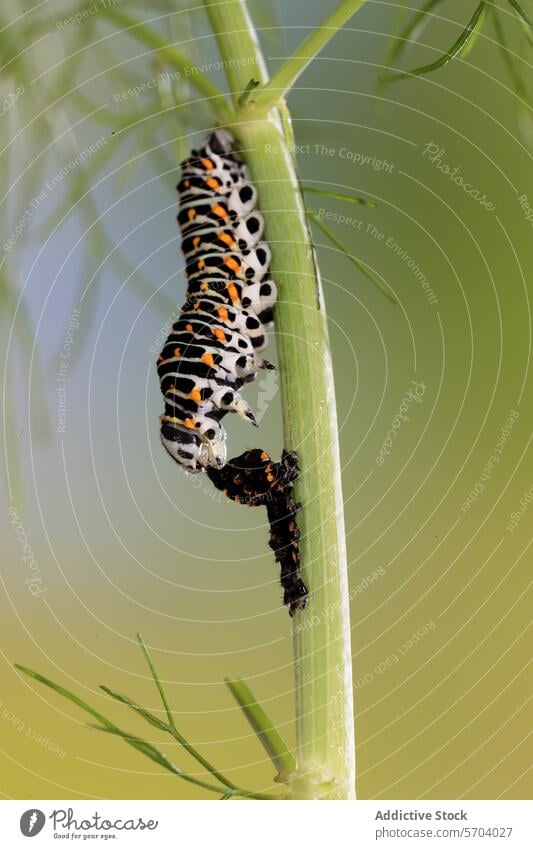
512	67
311	190
518	8
469	44
132	740
149	717
152	752
157	680
141	746
168	729
357	262
393	48
157	757
460	47
137	743
411	32
171	727
268	736
173	55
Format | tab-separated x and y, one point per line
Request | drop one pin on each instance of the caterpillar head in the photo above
193	453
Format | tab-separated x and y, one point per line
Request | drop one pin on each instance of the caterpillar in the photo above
214	347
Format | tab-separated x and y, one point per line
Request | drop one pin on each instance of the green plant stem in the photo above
322	657
238	45
295	65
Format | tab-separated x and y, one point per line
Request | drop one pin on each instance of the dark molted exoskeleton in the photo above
255	479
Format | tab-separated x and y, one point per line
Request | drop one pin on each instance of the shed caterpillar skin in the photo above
255	479
214	347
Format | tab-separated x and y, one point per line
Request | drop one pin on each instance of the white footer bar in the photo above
328	825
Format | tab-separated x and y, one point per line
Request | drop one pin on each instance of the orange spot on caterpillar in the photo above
207	164
233	293
195	395
188	328
226	238
232	263
212	183
191	213
196	241
223	313
219	333
190	423
208	359
177	352
219	210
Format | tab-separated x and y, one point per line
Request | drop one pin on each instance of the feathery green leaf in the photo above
511	66
518	8
411	32
137	743
311	190
460	47
357	262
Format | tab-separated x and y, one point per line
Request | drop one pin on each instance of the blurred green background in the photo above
123	542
